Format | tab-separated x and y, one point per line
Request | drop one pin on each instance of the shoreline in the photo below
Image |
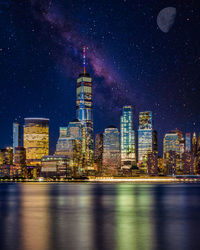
110	180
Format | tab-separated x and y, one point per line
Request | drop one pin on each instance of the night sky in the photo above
130	59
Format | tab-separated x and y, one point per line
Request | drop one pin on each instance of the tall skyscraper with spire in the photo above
84	110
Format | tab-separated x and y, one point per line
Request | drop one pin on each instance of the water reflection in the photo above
10	209
133	220
35	217
99	216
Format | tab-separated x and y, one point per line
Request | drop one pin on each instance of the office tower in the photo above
16	135
173	148
36	139
145	135
19	167
111	151
161	166
127	136
20	156
98	158
61	143
194	144
6	156
75	130
172	163
55	167
188	162
152	164
187	142
171	142
84	111
72	143
182	145
155	141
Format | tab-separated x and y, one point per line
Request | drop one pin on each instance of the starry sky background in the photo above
131	61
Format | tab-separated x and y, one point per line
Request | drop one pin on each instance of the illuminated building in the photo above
36	139
19	167
198	143
197	154
111	151
72	143
16	135
98	152
5	171
20	156
194	144
188	163
174	143
9	156
187	142
152	164
61	143
127	136
171	143
155	141
161	166
182	145
172	163
55	166
6	156
6	161
145	135
84	111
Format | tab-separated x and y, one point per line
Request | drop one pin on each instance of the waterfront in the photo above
99	216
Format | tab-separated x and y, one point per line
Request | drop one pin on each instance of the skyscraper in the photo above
36	139
111	150
171	142
173	148
71	143
194	144
145	135
152	163
84	111
127	136
16	135
98	152
187	142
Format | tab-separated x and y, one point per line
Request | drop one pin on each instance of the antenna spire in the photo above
84	71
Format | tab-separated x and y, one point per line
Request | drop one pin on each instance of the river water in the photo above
99	216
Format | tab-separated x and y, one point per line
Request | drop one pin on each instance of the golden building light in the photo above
36	139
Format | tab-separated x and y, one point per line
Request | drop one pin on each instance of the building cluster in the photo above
125	152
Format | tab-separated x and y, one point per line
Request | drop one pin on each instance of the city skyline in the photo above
126	69
99	124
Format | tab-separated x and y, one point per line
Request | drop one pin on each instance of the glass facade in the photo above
145	143
171	143
145	120
55	166
145	135
127	136
16	136
36	139
71	143
111	150
84	114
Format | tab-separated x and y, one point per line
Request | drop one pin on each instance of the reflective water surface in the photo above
99	216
